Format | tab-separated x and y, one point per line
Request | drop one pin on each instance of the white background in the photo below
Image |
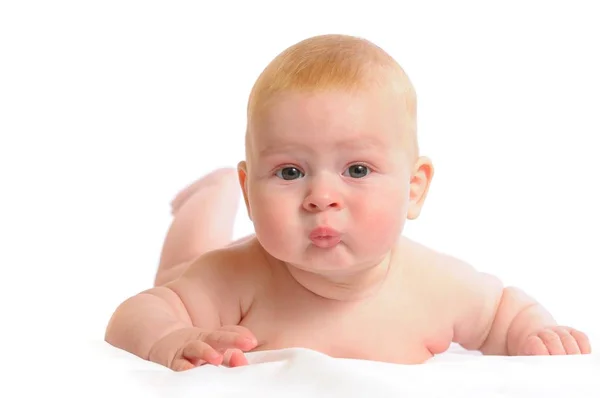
108	108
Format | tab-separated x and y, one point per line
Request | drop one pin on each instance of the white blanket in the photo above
110	372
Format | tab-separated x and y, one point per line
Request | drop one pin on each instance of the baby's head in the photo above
334	63
332	166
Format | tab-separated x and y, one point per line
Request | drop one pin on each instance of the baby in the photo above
332	173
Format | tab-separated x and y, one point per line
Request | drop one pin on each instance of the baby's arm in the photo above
142	320
179	325
500	320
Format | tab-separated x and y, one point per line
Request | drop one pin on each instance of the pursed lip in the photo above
324	237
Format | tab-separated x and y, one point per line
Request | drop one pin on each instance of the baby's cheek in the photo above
382	220
382	229
271	224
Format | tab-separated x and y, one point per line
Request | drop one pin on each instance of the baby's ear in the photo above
419	186
243	178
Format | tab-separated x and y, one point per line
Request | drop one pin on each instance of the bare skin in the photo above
187	237
422	301
336	164
331	174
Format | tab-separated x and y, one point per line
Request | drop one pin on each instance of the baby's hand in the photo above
557	340
187	348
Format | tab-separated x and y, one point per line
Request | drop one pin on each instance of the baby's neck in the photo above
344	286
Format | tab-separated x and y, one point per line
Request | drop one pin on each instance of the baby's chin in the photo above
334	265
342	259
326	269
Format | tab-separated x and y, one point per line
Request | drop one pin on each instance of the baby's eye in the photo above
289	173
357	171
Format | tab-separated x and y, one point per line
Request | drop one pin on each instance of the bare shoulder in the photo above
446	272
226	279
460	294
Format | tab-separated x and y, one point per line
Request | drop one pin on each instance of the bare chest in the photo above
389	329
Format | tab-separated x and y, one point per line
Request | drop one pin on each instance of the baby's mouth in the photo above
325	237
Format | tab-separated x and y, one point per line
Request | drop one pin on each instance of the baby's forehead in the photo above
369	110
328	120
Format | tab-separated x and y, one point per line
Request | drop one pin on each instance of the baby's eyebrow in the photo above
362	144
272	149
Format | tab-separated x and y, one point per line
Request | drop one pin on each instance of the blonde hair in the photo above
327	62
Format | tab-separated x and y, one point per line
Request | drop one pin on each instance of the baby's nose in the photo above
321	201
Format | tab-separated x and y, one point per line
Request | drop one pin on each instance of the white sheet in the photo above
109	372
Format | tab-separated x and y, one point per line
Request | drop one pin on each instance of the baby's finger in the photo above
181	364
221	341
582	341
198	352
243	331
552	342
234	357
568	341
535	346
